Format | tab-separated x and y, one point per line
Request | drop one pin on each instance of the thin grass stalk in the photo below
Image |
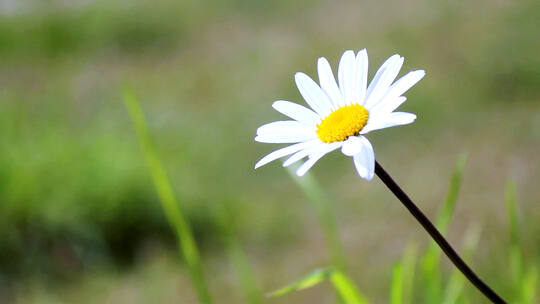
173	213
515	261
238	257
524	279
326	217
403	277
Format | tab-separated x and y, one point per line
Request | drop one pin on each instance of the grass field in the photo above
80	219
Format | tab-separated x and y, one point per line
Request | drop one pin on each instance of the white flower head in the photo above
341	113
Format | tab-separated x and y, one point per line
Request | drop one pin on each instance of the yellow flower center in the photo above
342	123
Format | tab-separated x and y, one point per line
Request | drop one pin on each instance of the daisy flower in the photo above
341	113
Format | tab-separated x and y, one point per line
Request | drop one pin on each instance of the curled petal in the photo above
364	161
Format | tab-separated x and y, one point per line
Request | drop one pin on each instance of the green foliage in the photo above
85	193
168	201
55	35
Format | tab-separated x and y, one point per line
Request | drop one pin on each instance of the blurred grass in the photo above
432	258
238	257
322	205
75	197
343	285
403	277
457	282
431	287
176	218
524	279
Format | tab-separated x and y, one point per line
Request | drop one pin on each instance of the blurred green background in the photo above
79	218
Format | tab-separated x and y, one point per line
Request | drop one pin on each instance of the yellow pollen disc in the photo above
342	123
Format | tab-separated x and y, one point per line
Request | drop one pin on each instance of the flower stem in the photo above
436	235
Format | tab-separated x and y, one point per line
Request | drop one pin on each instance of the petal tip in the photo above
276	104
361	55
300	74
322	60
257	165
420	73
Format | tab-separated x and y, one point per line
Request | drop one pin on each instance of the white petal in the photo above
284	132
328	82
389	120
297	112
380	72
402	118
352	146
312	150
284	152
359	94
383	79
365	160
393	98
281	138
314	157
309	163
313	94
283	127
387	105
346	74
299	155
406	82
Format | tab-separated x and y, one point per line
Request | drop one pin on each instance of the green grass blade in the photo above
238	257
515	259
396	289
320	202
456	284
167	198
346	289
403	277
445	214
343	285
430	262
523	279
511	210
409	262
244	271
310	280
530	285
